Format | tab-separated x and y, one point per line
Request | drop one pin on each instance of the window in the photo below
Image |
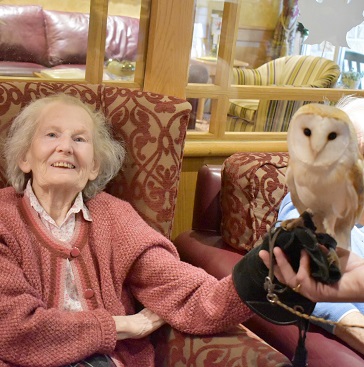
248	34
55	40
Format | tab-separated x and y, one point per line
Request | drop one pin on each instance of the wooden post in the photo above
170	34
96	41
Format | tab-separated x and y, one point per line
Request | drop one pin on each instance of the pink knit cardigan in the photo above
116	259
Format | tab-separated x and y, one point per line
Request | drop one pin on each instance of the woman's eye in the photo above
80	139
51	135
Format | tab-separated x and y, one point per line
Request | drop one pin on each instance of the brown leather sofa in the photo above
32	39
235	204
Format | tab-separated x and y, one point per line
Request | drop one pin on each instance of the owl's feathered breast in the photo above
325	171
323	189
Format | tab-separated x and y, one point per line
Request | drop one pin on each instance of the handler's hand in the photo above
350	287
137	326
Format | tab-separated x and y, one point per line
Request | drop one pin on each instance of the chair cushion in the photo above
242	114
252	188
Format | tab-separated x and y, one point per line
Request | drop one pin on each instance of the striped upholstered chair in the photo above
273	115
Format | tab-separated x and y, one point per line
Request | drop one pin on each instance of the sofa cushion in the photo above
66	37
121	38
22	34
252	188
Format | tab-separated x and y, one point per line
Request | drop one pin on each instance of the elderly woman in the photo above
73	259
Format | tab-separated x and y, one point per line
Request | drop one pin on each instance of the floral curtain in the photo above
284	34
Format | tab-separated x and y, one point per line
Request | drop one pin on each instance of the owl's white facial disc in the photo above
317	140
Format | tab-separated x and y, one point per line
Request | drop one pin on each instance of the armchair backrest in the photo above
302	71
152	127
307	71
298	71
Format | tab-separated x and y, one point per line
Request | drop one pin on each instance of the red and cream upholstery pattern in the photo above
152	126
236	348
274	115
252	189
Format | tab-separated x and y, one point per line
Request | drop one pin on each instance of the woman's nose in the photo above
65	145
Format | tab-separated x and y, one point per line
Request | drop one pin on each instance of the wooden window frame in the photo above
165	40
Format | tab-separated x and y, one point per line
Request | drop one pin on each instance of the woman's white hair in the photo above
108	152
354	108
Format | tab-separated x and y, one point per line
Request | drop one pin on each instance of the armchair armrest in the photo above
243	76
238	347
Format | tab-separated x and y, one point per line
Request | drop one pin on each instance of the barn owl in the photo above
325	170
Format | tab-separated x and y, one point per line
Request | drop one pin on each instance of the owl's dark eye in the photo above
332	136
307	131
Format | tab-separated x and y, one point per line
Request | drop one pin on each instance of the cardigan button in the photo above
89	293
75	252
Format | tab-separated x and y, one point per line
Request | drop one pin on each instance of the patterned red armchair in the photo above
153	128
235	205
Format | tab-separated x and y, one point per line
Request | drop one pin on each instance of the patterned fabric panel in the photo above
237	348
274	115
152	126
252	189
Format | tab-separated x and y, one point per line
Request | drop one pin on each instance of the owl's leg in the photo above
329	225
332	258
304	220
329	242
290	224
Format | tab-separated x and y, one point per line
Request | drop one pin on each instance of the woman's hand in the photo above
137	326
350	288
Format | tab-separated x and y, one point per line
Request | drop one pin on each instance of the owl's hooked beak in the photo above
317	145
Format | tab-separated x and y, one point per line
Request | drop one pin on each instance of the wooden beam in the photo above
96	41
170	33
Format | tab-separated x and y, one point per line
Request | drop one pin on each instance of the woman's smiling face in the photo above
61	154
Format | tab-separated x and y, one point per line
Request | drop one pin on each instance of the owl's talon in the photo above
332	258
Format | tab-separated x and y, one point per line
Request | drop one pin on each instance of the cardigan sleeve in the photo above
186	297
32	335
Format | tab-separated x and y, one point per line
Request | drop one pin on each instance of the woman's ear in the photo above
95	170
24	164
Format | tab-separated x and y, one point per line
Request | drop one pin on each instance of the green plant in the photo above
301	28
352	75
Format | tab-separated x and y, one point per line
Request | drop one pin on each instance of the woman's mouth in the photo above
63	165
